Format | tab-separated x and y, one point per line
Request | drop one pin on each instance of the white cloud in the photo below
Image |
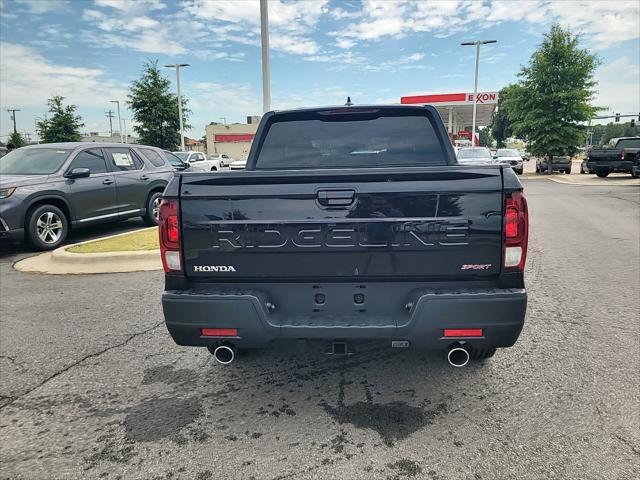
341	14
619	86
31	83
43	6
290	23
132	7
601	22
141	33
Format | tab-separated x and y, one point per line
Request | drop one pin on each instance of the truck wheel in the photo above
602	173
568	171
635	173
47	227
214	169
153	209
482	354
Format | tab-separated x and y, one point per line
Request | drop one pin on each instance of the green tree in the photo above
155	109
16	140
552	99
63	125
485	138
500	124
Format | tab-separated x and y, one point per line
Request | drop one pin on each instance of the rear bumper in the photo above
614	166
421	320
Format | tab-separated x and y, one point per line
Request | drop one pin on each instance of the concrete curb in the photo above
62	262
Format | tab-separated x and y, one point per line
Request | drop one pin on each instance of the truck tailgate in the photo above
414	223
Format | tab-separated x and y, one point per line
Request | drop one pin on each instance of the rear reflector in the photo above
463	332
219	332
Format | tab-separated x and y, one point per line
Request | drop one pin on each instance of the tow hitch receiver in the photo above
340	348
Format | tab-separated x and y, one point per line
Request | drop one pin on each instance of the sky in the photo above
321	51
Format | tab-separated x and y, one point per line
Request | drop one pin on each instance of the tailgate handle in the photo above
336	198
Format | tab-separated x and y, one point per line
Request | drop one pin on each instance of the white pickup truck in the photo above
199	160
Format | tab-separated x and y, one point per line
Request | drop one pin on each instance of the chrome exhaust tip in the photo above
458	356
225	354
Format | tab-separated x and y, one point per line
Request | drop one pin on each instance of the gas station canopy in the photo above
456	109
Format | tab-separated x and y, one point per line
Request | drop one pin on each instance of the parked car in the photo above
475	155
510	157
222	159
46	190
199	160
618	157
179	165
339	232
557	164
238	164
526	156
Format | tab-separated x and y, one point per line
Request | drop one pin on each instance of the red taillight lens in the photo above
173	233
511	223
516	231
219	332
463	332
169	232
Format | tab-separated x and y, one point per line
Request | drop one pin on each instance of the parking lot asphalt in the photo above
93	387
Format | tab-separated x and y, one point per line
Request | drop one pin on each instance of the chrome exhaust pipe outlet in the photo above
458	356
225	353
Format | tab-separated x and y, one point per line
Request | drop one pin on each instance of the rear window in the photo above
628	143
344	142
153	157
478	153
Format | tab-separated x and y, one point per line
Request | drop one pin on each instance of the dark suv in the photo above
47	189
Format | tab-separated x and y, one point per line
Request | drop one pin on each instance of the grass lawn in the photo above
141	240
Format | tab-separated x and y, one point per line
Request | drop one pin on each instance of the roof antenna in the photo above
349	102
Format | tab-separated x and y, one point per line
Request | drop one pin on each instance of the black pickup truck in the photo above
348	224
621	157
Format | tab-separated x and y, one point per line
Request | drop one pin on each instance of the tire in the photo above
519	172
602	173
582	172
483	354
152	210
214	169
47	227
568	172
634	174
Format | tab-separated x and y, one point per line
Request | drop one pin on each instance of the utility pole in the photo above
117	102
12	112
477	43
177	66
124	126
264	38
109	115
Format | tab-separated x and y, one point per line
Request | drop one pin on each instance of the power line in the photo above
13	111
109	115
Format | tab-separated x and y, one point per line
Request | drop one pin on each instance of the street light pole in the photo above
477	43
124	127
177	67
264	37
224	120
117	102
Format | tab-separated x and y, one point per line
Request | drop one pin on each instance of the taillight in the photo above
622	153
169	232
516	231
